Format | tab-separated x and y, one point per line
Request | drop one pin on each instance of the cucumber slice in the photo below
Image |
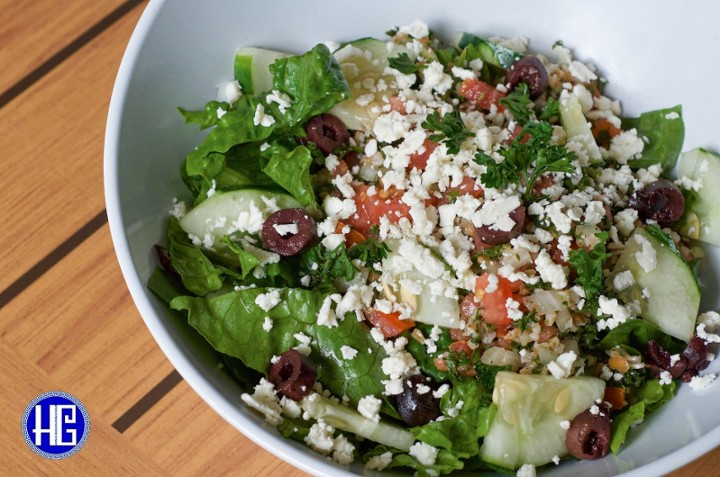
527	427
489	52
702	165
669	295
216	214
577	127
363	63
252	69
346	419
427	308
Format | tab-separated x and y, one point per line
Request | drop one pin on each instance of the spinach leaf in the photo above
291	171
314	81
665	131
198	273
461	434
635	334
425	360
207	117
165	285
233	324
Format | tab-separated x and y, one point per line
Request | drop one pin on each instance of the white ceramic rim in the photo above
261	436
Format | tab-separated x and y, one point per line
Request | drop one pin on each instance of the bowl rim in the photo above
258	433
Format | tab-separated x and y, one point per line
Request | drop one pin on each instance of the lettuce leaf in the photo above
635	334
291	171
233	324
198	273
650	398
665	137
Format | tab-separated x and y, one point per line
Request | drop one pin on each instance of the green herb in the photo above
486	373
451	130
404	64
517	103
492	253
526	162
589	265
370	251
323	266
526	320
551	110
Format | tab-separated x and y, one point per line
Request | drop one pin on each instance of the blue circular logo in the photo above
55	425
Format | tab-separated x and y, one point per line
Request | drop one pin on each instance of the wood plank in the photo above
79	324
186	437
53	135
105	453
32	31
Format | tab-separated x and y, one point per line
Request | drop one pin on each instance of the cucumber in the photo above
427	308
674	295
364	61
252	69
488	52
527	427
577	127
699	164
216	214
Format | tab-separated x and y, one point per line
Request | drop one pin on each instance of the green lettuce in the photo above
634	336
233	324
291	171
198	273
665	137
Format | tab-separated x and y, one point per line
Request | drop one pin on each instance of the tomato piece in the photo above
369	209
352	237
603	131
615	396
419	160
468	186
481	94
397	104
494	308
389	324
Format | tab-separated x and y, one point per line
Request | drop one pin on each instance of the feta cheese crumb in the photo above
550	272
348	352
565	424
268	301
623	280
265	401
369	407
698	383
527	470
562	366
646	257
267	324
379	462
424	453
665	377
262	119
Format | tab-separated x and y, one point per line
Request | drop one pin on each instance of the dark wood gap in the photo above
146	402
51	63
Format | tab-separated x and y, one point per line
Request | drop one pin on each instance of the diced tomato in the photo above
461	347
389	323
352	237
371	208
515	133
419	160
494	303
481	94
603	131
615	396
468	186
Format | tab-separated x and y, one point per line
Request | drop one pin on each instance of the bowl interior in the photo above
182	51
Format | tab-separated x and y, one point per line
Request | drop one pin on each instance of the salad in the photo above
443	256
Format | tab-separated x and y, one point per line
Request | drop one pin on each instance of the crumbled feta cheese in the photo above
265	401
623	280
646	257
562	366
286	229
261	118
440	392
619	313
321	437
526	470
665	377
698	383
581	71
326	315
369	408
233	92
267	324
424	453
565	425
496	213
268	301
379	462
550	272
417	29
348	352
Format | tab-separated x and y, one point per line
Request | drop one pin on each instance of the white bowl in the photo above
653	53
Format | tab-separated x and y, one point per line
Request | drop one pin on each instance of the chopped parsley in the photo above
404	64
370	251
551	110
524	163
517	103
451	130
589	267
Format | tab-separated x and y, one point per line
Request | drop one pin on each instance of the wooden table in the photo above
67	321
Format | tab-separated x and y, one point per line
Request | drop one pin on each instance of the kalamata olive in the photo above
327	132
657	355
695	353
293	375
531	71
589	434
660	201
491	236
417	408
289	232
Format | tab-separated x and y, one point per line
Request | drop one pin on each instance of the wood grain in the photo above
32	31
53	136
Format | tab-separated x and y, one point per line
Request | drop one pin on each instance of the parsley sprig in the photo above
517	103
404	64
524	162
451	130
371	250
588	264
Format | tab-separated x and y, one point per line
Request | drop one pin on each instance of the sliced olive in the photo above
293	375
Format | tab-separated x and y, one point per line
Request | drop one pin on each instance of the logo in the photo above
55	425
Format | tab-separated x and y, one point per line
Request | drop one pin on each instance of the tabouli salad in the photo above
443	256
